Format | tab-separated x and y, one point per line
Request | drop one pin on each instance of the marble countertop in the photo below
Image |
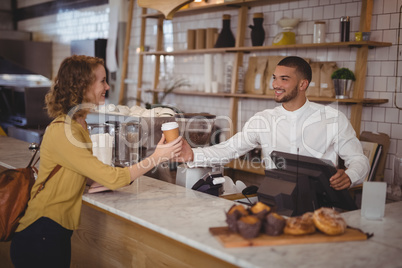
14	152
186	216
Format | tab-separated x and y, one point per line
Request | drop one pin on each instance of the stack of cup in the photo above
210	38
190	39
200	35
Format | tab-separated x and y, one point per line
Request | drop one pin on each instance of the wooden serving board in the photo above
230	239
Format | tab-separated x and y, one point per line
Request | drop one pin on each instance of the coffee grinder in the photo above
196	128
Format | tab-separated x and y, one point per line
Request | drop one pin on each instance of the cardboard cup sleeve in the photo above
171	131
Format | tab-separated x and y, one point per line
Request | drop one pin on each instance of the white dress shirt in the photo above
313	130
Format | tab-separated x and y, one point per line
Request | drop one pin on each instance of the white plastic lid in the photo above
169	126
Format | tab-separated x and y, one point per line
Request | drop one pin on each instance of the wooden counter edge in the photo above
105	239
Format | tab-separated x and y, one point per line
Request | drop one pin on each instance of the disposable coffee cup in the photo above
171	131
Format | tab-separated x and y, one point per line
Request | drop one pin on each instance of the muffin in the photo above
249	226
234	213
260	210
273	224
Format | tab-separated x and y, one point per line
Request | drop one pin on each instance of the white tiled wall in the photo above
380	82
86	23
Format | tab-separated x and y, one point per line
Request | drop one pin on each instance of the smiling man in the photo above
295	126
290	82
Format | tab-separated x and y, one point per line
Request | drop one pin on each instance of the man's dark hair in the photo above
302	66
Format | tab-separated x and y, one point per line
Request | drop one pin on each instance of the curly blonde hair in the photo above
75	76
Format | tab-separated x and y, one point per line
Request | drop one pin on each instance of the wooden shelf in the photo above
242	8
184	52
203	8
356	44
255	96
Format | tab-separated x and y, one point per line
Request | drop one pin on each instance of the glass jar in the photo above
319	32
127	143
102	137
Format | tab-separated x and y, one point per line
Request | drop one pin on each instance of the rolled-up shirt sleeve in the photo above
233	148
351	151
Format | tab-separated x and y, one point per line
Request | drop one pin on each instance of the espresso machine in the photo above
115	138
134	137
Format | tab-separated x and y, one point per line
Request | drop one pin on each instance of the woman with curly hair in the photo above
43	237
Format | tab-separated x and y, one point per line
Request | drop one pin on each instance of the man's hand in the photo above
340	180
186	154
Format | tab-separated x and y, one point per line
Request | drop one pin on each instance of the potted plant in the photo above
166	86
343	79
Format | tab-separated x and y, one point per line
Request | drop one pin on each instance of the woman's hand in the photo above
166	151
163	152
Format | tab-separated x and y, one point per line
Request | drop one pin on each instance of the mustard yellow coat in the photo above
69	145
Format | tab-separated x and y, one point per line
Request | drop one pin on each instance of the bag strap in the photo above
42	185
54	171
36	162
37	150
32	159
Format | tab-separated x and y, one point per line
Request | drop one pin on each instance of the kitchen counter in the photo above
133	225
185	216
14	153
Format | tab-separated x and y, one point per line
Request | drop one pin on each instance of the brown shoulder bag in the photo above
15	192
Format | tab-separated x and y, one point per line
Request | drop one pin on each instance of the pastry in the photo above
260	210
249	226
329	221
273	224
234	213
300	225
